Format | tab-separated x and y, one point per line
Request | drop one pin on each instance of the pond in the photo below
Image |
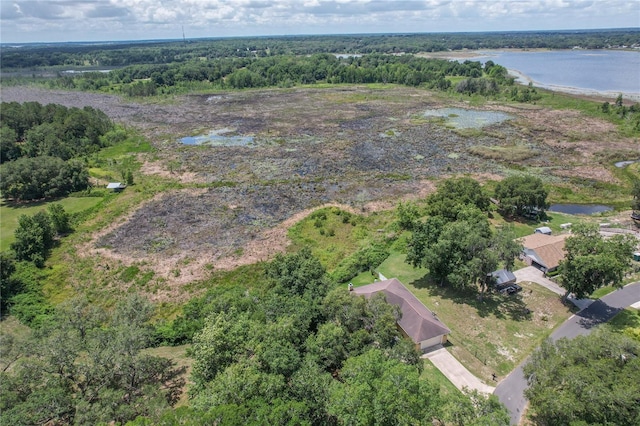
467	118
579	208
219	137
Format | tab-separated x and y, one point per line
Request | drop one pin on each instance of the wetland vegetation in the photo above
244	245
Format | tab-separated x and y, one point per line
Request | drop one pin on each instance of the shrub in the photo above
364	259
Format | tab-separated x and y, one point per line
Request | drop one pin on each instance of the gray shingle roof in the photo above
503	276
417	321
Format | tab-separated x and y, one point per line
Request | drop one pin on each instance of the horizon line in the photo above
179	39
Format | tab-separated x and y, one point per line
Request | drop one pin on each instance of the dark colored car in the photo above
511	289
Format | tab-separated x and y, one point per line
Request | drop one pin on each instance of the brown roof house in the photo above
417	322
544	251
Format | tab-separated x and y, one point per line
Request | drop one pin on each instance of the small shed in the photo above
636	256
502	278
116	186
543	230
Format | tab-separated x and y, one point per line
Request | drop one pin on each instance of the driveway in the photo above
510	391
456	372
535	275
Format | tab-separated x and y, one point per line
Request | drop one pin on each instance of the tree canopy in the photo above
592	261
83	367
42	177
34	238
593	379
455	194
520	194
461	252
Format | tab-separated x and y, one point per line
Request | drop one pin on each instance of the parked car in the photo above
511	289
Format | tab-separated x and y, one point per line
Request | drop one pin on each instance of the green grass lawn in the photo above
627	322
489	336
9	214
431	373
177	354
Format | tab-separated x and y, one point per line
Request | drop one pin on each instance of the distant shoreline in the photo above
524	79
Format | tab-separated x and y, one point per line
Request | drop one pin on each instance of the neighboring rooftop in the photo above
417	321
543	230
546	250
116	185
502	276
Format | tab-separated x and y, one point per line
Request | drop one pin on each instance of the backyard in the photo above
489	336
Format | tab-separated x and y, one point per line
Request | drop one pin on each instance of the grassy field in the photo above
489	336
10	213
332	233
177	354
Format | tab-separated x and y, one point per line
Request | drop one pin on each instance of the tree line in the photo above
289	70
165	52
40	147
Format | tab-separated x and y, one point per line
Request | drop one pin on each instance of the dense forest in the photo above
38	146
283	71
163	52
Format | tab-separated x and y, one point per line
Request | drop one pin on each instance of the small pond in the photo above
622	164
579	208
467	118
220	137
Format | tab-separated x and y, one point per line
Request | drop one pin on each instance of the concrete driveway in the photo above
456	372
535	275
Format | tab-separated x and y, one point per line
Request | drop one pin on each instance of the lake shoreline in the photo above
523	78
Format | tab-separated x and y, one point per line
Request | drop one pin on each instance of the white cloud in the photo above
63	20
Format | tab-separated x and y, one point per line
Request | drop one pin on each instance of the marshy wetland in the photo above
268	155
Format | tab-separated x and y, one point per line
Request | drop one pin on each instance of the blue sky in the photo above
100	20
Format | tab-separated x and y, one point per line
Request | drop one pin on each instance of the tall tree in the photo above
376	390
34	237
592	262
59	218
593	379
8	286
83	369
455	194
521	194
299	273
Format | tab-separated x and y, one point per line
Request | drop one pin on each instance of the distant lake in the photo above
609	71
579	208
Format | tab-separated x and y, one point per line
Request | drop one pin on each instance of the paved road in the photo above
510	391
456	372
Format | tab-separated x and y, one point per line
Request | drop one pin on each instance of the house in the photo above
503	278
543	230
544	251
116	186
417	323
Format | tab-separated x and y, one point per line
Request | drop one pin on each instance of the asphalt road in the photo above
510	391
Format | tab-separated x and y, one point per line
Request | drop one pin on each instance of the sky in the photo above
23	21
